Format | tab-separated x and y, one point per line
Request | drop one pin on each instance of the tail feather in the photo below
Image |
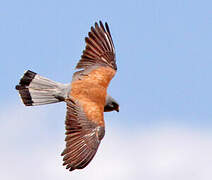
37	90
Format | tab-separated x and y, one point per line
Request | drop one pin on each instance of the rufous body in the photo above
91	90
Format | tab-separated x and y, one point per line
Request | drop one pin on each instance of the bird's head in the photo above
111	105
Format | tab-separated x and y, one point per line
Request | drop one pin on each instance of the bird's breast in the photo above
91	97
91	90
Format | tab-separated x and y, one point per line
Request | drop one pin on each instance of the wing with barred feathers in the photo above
99	49
83	137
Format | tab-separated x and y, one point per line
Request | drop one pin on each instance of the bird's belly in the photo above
92	98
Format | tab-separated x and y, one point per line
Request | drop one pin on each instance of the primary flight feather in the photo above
86	97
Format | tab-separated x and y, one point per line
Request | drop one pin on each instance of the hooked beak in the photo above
117	110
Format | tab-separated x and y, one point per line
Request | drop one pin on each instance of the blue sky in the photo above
163	51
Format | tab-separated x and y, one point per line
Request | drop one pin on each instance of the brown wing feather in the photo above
82	137
99	49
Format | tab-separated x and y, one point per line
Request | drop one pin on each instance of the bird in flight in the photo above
86	96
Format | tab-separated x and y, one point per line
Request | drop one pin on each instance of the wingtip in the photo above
107	28
100	22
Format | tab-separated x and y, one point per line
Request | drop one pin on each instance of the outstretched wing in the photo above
83	137
99	49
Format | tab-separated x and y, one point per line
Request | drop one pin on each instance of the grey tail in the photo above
37	90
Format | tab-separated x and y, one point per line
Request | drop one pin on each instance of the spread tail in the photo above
37	90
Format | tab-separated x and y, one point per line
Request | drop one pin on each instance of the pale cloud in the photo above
158	153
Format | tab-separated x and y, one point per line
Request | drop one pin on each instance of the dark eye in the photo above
114	104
